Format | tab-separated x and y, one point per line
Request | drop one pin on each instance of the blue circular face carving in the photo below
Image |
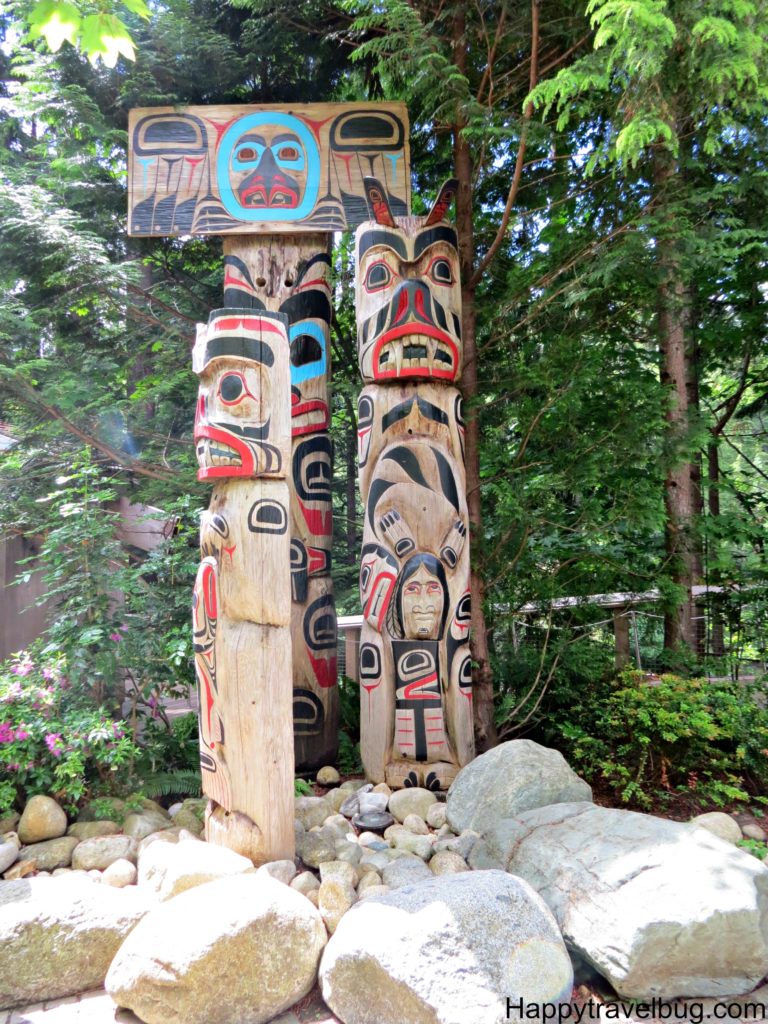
268	168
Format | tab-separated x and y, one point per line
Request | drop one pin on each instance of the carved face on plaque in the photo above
234	357
408	296
271	163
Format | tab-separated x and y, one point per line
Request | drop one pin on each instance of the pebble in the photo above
416	825
305	883
283	870
446	862
436	815
328	776
369	879
375	890
119	874
336	797
334	898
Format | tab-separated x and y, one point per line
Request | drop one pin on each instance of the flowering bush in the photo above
52	739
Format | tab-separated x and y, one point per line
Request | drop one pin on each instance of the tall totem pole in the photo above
275	183
415	668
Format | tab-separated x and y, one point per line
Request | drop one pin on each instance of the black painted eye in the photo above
441	272
231	387
378	276
305	349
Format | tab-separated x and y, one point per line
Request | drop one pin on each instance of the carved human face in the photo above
422	605
408	303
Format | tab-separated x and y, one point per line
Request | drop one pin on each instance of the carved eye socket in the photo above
378	276
232	388
440	272
288	153
247	154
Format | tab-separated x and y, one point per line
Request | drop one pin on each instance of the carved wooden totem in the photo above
415	668
242	600
292	278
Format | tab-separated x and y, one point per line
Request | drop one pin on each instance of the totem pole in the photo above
415	668
275	183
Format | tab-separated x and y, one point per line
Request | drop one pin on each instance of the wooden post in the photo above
291	275
242	600
415	670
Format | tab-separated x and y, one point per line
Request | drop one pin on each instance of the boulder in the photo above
312	810
336	893
41	819
101	851
411	801
170	868
328	776
719	824
186	818
513	777
58	939
447	951
53	853
420	845
235	951
91	829
658	907
335	798
305	883
9	821
416	824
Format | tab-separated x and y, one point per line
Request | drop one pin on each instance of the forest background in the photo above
613	219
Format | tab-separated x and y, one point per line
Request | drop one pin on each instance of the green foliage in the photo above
52	739
102	35
757	847
301	788
671	740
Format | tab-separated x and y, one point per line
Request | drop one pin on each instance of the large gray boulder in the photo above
513	777
658	907
59	939
171	868
235	951
445	951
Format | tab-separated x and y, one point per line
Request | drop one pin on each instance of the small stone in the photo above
168	835
436	815
416	825
312	810
53	853
351	853
9	854
382	787
187	819
351	805
377	859
372	803
298	828
462	844
353	785
119	874
394	830
20	869
96	875
139	826
340	871
328	776
753	831
334	898
8	822
340	822
90	829
369	838
312	896
411	801
305	883
101	851
445	862
174	809
405	871
420	845
719	824
189	837
316	847
42	819
375	890
283	870
445	830
364	868
61	871
336	797
369	879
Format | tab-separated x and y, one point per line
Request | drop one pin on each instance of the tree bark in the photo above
482	674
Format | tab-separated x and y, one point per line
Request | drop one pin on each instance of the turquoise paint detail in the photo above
226	147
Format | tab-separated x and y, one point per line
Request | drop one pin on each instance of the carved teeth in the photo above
431	350
398	354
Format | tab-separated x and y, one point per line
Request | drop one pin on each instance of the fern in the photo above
182	782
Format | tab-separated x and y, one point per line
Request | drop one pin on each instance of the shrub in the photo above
52	738
706	740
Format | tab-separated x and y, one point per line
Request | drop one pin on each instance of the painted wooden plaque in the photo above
218	170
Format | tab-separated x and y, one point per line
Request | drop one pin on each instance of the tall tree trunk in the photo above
482	675
717	642
679	491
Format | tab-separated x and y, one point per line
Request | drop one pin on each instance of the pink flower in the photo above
21	734
22	669
6	733
14	767
116	637
52	741
48	673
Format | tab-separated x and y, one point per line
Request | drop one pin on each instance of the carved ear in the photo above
378	203
443	202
